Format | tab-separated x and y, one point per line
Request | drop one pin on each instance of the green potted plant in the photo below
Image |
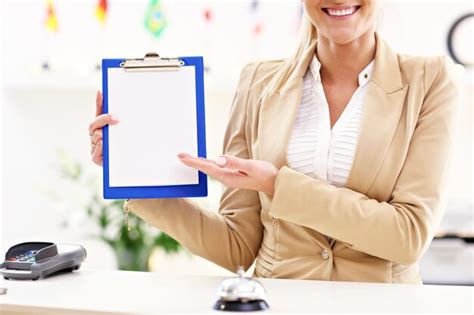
132	248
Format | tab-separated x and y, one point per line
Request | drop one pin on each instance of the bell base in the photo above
238	306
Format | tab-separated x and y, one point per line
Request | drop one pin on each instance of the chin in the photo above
342	37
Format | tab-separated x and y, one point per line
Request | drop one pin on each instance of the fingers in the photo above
198	163
229	162
96	136
98	104
97	153
101	121
232	171
234	163
207	166
95	129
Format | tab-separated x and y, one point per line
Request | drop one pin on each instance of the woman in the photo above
335	159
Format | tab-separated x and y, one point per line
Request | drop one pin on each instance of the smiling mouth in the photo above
341	12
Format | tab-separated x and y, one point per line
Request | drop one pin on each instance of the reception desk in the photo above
122	292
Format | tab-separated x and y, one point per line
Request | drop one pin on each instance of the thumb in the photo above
233	162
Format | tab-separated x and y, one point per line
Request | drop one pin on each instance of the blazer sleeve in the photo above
231	237
398	230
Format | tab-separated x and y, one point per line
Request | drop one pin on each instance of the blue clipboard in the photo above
175	191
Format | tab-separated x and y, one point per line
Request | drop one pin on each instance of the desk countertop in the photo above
93	292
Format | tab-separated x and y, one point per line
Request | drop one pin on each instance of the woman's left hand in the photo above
235	172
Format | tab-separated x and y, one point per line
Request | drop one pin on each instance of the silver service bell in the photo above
241	294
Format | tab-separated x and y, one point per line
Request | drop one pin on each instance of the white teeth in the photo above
344	12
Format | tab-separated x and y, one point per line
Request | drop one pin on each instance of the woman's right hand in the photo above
95	130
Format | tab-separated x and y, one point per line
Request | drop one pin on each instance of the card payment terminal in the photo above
35	260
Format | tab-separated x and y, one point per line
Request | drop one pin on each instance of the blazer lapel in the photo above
383	106
278	112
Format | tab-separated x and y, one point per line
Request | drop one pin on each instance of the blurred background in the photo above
51	52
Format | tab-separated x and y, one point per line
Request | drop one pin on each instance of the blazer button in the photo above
325	254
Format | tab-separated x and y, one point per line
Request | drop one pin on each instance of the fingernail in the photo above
114	118
221	161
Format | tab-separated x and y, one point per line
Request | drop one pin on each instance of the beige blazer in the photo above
380	224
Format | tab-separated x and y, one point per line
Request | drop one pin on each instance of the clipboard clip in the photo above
152	62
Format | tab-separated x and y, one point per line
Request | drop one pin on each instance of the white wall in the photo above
43	114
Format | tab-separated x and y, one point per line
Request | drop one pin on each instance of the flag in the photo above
51	22
101	10
208	15
254	5
155	21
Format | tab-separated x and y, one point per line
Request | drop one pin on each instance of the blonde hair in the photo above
307	36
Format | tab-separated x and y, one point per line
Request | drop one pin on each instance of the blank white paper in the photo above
157	114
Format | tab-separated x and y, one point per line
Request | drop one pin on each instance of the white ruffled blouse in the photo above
314	148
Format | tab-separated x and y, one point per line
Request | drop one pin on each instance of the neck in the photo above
343	63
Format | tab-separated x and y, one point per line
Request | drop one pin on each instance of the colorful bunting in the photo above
51	22
208	15
155	21
258	23
101	11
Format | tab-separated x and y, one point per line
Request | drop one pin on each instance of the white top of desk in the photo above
139	292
